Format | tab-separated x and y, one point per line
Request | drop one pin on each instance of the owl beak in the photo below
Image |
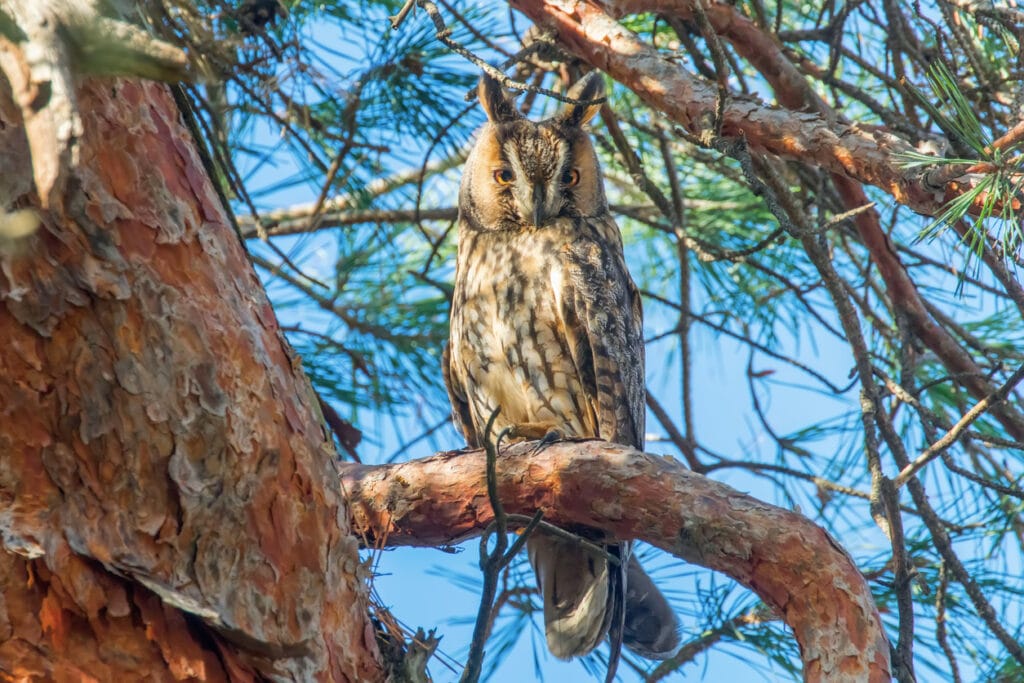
539	203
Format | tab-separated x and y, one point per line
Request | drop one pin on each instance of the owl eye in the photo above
503	176
570	177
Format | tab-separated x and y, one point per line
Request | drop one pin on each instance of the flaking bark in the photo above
168	499
868	154
790	562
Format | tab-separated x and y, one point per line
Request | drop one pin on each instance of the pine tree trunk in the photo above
169	507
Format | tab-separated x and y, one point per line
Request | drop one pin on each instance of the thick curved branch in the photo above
790	562
869	155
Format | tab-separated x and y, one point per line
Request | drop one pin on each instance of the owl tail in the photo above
582	598
576	586
651	629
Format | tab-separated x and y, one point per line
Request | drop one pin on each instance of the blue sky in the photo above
417	584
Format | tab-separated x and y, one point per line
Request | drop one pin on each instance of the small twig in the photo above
940	622
634	165
332	172
944	545
758	467
722	329
435	247
421	179
474	662
679	223
689	651
477	33
1011	491
684	445
839	218
444	34
721	71
552	530
492	562
348	435
427	433
397	19
740	255
785	445
348	116
286	260
954	433
517	545
300	223
327	303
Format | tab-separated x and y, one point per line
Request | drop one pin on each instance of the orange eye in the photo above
503	176
570	177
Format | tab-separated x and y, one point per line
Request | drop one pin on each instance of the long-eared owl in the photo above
546	324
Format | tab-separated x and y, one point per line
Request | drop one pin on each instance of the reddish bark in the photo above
793	91
164	475
791	563
807	130
868	154
84	624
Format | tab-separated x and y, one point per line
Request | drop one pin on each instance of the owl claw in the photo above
551	437
544	434
506	433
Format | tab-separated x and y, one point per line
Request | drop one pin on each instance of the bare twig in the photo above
707	639
722	329
721	71
444	34
957	430
685	445
492	562
397	19
940	623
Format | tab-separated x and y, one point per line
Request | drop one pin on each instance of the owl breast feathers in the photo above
546	325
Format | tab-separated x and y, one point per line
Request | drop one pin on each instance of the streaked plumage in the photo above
546	323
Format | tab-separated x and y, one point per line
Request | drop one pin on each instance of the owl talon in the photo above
506	433
551	437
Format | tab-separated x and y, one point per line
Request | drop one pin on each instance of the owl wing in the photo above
460	404
603	320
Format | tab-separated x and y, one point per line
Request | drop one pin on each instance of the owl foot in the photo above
544	433
552	436
506	433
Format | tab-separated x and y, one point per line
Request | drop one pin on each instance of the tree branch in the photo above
956	431
793	92
790	562
867	155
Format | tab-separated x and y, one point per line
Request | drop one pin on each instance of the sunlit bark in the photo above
168	500
790	562
869	154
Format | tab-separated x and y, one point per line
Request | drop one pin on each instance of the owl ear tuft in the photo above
499	107
590	87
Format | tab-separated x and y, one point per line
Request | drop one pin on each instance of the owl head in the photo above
524	174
